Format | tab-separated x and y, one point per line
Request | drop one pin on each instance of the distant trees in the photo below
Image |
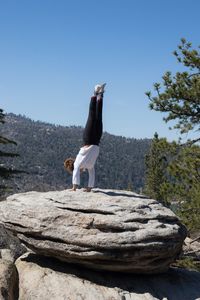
44	147
173	169
5	172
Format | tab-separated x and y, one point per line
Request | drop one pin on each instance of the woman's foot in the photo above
99	89
102	90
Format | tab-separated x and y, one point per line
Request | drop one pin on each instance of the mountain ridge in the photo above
44	146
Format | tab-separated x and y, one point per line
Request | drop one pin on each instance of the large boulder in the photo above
8	280
46	278
104	229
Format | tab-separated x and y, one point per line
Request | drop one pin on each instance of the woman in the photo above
88	154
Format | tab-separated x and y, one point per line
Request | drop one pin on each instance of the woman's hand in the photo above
74	188
88	189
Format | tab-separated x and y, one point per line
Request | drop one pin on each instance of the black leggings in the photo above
94	126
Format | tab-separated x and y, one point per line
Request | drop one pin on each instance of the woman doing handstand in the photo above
89	152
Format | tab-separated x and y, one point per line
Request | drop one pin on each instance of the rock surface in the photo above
104	229
46	279
8	280
10	246
191	248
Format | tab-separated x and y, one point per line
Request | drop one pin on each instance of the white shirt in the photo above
85	159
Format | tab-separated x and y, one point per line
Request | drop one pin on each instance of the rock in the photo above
46	278
191	248
104	229
10	246
8	280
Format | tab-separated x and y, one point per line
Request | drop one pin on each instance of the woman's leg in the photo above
89	131
99	123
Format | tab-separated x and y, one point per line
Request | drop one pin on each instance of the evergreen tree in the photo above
157	176
178	178
5	172
173	178
185	186
179	96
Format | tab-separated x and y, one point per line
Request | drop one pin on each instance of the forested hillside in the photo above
43	148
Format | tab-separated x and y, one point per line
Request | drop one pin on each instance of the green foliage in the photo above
179	96
173	170
187	263
185	169
173	178
157	175
44	147
5	171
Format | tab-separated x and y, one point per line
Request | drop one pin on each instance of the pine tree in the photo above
157	176
185	187
173	178
179	96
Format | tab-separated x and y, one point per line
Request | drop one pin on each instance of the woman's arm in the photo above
76	177
91	177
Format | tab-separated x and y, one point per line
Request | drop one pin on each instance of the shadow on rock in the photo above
113	194
175	284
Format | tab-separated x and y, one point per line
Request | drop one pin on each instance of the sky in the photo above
53	52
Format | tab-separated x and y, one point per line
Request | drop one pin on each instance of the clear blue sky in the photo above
53	52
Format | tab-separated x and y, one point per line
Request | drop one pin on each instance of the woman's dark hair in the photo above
69	164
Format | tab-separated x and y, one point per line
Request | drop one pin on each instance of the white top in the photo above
85	159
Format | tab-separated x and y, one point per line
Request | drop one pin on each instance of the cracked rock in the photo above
105	229
10	246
